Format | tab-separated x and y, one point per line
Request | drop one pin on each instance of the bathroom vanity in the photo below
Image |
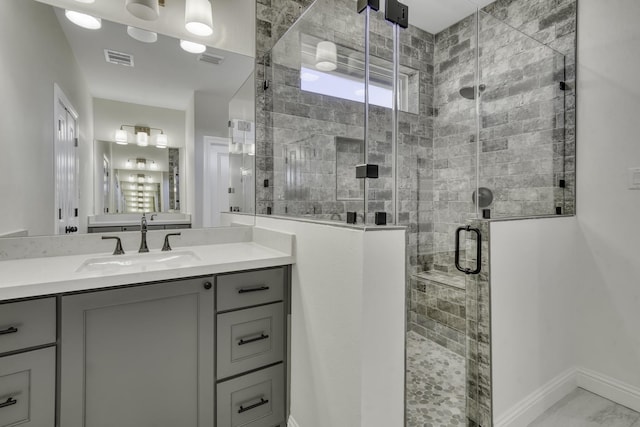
198	344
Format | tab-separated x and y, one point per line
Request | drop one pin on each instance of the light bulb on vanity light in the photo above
142	139
121	137
162	141
83	20
198	17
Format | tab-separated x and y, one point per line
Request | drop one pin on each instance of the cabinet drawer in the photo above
27	324
253	400
250	288
27	389
249	339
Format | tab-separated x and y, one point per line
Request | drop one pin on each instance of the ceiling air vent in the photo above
210	58
118	58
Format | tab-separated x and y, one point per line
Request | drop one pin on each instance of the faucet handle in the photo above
166	247
118	250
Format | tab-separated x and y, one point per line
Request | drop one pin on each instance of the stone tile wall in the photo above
438	312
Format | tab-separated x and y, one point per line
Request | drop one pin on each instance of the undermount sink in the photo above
139	262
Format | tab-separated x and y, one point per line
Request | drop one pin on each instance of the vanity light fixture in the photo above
192	47
142	135
148	10
326	56
83	20
198	17
141	35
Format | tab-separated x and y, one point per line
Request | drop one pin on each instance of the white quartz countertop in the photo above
31	277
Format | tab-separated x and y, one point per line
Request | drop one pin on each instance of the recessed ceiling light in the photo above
83	20
141	35
192	47
149	10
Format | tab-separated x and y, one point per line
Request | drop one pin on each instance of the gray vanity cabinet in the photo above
139	356
251	348
28	363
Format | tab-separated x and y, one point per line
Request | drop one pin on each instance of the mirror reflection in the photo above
113	116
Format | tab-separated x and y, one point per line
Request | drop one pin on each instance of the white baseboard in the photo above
534	405
292	422
609	388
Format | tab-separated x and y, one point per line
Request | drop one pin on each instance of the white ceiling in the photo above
434	16
164	75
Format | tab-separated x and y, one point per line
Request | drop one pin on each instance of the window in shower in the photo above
346	81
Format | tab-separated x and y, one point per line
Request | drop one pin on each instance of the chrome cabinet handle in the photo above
255	405
10	330
10	401
468	228
257	289
250	340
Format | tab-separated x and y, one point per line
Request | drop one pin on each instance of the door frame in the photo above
59	98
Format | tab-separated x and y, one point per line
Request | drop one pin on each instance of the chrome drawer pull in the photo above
11	330
10	401
258	289
250	340
255	405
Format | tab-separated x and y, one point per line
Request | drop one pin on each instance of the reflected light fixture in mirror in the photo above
192	47
162	141
142	138
326	56
141	35
83	20
121	137
148	10
198	17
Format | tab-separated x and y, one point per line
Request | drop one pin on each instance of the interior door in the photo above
66	167
216	181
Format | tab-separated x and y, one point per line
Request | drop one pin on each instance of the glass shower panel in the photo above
522	124
316	114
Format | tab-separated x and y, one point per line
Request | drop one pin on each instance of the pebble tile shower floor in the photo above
435	385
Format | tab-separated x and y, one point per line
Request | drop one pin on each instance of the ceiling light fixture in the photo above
326	56
83	20
149	10
192	47
198	17
141	35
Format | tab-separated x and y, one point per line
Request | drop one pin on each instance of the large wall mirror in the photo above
107	116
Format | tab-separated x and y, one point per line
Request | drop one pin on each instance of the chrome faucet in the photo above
143	230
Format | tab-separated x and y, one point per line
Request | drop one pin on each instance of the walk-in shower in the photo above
483	127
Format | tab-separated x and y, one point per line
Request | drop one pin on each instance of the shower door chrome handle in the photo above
468	228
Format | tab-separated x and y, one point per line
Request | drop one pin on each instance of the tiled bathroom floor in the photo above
435	385
584	409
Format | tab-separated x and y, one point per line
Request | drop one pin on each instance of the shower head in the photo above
469	92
